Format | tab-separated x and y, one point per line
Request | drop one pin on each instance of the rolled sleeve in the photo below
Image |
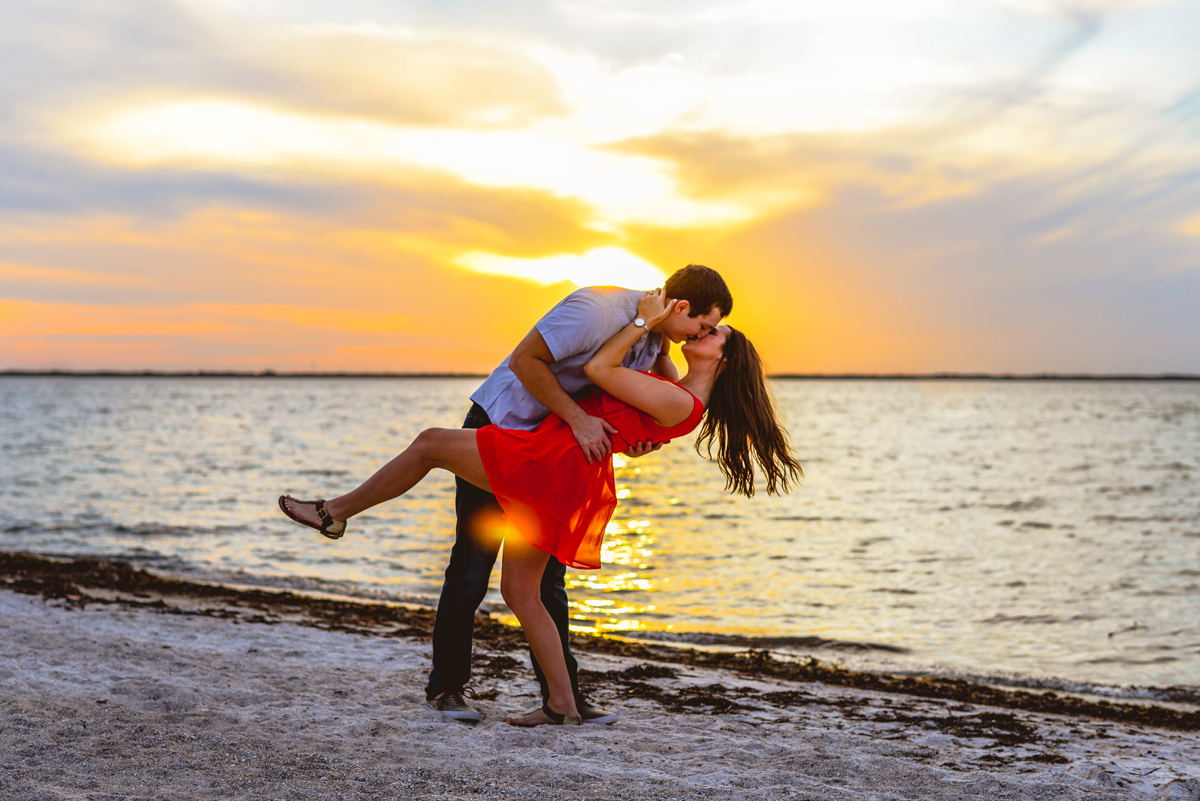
577	325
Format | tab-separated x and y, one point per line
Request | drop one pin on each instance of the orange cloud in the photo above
254	290
71	335
13	274
227	288
795	171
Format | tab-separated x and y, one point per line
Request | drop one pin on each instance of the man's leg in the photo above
471	560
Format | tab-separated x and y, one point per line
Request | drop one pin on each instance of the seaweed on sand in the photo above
81	582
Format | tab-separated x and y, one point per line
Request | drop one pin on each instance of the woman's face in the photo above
711	346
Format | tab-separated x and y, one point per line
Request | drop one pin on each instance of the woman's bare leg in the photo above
520	584
452	449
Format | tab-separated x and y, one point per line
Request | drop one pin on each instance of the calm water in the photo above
1043	529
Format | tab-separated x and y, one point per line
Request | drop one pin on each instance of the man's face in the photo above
680	328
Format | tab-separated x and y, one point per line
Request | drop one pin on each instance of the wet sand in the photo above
121	684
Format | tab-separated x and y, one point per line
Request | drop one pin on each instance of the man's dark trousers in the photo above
467	576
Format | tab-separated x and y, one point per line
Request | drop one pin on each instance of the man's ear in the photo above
683	306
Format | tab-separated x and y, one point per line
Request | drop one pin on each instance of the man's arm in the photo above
663	365
530	363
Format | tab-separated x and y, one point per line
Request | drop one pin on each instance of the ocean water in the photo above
1044	533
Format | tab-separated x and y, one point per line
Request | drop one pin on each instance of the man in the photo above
540	376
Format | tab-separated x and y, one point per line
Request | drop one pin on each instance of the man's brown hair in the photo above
702	287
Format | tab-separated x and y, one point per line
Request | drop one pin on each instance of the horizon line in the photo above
936	376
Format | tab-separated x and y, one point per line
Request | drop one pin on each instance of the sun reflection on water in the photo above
1006	525
630	547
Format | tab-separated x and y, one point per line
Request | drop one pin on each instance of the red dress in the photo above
554	498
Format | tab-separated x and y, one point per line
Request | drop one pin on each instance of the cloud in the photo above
943	260
926	186
232	135
63	54
307	292
13	276
245	336
54	53
403	76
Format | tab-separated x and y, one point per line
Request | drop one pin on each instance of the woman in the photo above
557	503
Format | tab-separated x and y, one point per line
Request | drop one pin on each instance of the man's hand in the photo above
592	435
641	449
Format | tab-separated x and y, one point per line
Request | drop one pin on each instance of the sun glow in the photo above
610	266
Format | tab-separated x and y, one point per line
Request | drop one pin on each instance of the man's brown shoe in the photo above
453	706
593	714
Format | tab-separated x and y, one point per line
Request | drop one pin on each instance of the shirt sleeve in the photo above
644	352
580	324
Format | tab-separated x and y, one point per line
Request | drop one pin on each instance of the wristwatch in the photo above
642	322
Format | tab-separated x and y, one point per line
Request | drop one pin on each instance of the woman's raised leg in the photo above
452	449
520	584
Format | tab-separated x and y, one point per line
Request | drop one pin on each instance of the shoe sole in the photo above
603	720
461	717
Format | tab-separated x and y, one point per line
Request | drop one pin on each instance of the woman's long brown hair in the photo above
741	419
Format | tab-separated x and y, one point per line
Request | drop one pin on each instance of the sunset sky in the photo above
886	185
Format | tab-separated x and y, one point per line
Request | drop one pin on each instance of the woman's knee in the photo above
425	446
520	596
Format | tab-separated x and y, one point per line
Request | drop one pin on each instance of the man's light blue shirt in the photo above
574	330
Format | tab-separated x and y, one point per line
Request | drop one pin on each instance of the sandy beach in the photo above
131	691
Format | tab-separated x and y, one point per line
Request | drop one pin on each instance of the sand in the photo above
180	699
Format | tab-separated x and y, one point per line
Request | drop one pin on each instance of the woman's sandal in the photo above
555	719
334	529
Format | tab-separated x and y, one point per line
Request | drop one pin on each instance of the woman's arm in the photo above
668	404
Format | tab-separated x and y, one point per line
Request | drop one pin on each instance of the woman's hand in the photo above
655	306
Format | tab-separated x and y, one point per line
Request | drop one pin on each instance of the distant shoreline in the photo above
946	376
